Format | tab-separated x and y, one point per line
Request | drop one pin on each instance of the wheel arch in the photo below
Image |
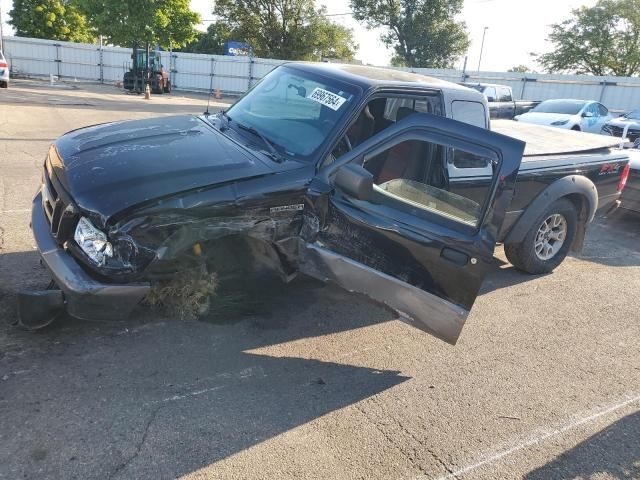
579	190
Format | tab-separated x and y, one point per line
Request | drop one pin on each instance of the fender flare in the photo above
569	185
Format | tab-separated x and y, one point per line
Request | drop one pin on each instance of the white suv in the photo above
4	72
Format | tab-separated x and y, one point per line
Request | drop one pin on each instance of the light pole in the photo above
482	47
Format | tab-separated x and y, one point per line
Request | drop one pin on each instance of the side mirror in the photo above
355	181
587	114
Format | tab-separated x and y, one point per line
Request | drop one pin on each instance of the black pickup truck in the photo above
500	100
384	182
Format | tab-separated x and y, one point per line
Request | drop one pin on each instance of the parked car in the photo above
500	100
631	194
387	183
629	122
4	72
580	115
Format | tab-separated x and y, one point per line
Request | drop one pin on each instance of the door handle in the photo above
455	256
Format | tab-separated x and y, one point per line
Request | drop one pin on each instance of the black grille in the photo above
61	214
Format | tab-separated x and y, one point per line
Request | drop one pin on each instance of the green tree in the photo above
422	33
210	42
285	29
51	19
168	23
520	69
601	40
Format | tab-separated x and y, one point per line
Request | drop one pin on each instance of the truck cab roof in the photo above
375	78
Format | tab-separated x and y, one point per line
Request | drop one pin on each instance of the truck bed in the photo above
548	141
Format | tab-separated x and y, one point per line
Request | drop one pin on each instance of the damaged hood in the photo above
108	168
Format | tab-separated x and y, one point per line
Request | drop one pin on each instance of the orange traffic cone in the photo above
218	93
147	93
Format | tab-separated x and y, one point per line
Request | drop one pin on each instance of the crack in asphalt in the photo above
421	442
390	439
123	466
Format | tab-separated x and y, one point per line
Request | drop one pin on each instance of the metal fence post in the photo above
250	72
604	87
101	54
173	69
58	60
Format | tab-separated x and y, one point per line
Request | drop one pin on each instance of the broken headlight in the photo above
92	241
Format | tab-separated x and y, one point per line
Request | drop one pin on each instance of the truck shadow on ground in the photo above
157	398
611	453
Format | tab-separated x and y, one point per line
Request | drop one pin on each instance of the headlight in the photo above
560	122
92	241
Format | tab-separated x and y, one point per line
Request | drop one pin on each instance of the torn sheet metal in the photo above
420	309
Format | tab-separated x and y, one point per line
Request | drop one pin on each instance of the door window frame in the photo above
412	94
447	142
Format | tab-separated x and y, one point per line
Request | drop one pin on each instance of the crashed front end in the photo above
103	267
57	224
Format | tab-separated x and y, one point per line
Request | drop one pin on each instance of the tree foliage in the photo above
168	23
52	19
210	42
601	40
520	69
422	33
283	29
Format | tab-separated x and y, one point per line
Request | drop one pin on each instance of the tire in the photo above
167	88
157	87
576	128
4	84
533	254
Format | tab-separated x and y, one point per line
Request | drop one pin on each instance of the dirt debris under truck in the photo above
386	183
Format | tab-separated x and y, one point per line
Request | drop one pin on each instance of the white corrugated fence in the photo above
190	71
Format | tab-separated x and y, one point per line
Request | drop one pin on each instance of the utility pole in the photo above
482	47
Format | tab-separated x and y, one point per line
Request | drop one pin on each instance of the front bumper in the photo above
84	297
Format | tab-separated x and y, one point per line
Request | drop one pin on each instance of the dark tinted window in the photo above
603	110
504	94
568	107
490	93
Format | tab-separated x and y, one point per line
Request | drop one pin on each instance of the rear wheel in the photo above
4	84
576	128
548	241
156	87
167	87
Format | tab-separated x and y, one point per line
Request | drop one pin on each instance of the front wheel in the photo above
167	87
548	241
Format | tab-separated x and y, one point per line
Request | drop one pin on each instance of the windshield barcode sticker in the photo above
328	99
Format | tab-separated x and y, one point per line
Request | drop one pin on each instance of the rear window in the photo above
560	106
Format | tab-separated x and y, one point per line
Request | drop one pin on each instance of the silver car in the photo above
4	72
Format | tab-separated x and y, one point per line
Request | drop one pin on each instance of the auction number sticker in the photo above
328	99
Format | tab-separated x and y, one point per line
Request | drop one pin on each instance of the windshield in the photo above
634	115
296	111
566	107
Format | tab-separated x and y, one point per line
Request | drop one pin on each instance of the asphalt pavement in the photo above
543	384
